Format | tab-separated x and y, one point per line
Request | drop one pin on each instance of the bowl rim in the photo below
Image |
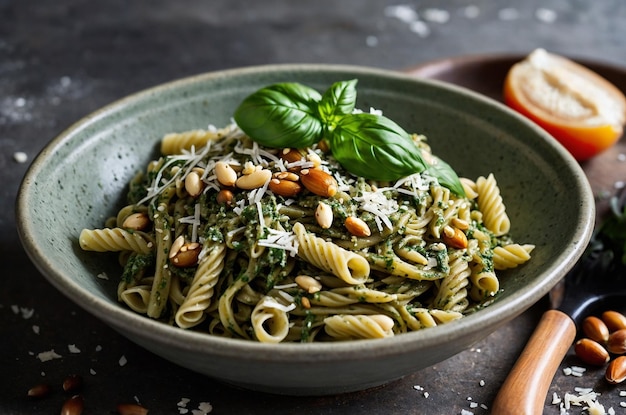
149	330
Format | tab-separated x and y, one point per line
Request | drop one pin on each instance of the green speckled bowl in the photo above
80	178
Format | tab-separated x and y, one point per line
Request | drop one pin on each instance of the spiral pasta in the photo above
222	235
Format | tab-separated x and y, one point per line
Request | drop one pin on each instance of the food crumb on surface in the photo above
466	412
98	348
123	360
48	355
35	329
371	41
481	383
72	348
91	371
436	15
546	15
471	12
103	276
20	157
508	13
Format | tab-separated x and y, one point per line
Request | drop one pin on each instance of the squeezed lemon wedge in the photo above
582	110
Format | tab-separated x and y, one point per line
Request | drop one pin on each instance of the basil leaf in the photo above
446	176
374	147
338	100
281	115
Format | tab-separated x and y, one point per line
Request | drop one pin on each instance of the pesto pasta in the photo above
283	245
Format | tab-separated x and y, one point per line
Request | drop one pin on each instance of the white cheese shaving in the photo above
377	204
271	302
281	240
48	355
73	349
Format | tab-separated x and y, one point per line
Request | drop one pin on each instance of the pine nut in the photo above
460	224
286	175
306	303
73	406
614	320
319	182
595	329
454	237
309	284
314	159
136	221
616	370
193	184
187	255
285	188
225	174
131	409
225	197
357	226
176	245
324	215
73	383
254	180
39	391
291	155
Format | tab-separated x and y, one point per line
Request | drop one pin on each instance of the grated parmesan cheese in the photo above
281	240
48	355
73	349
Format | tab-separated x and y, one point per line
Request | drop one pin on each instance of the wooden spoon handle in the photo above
524	390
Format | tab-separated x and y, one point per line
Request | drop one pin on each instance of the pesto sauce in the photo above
136	265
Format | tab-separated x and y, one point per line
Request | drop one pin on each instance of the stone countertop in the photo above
61	60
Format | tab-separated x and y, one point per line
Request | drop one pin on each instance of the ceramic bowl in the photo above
80	178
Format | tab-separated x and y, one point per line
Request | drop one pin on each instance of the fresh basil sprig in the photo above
282	115
367	145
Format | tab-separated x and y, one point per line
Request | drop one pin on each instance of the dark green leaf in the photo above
374	147
337	101
281	115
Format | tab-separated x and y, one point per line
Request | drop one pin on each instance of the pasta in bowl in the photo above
343	279
284	245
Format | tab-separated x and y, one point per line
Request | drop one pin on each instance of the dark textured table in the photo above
60	60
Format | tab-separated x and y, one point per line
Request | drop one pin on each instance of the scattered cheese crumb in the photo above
72	348
123	361
546	15
436	15
93	372
471	12
49	355
466	412
371	41
420	28
103	276
36	329
20	157
508	13
482	382
98	348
